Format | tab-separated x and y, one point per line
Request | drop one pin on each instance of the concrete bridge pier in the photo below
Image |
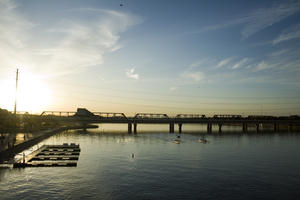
84	126
220	127
180	128
276	127
135	128
257	127
171	127
245	127
209	127
290	128
129	127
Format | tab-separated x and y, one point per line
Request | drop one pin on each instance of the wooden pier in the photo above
65	155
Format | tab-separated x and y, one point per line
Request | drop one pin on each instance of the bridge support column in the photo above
171	127
276	127
257	127
209	127
245	127
129	127
84	127
180	128
135	128
220	127
290	128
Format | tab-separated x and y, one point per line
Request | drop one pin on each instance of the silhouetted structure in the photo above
87	117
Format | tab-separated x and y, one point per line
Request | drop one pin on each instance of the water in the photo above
230	166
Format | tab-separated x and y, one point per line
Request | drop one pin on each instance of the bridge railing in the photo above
59	113
201	116
261	117
110	115
151	116
227	116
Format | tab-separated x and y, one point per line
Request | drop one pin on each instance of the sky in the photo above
172	56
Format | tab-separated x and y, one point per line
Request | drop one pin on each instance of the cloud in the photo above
69	46
195	76
279	53
288	64
240	63
198	63
257	20
84	43
215	27
173	88
265	17
130	73
224	62
263	66
278	67
288	34
13	37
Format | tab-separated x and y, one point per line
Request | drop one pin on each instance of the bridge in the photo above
86	117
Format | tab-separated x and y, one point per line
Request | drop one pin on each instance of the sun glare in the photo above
33	95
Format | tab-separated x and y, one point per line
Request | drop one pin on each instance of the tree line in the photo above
10	122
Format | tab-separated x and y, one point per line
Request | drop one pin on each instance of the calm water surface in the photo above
230	166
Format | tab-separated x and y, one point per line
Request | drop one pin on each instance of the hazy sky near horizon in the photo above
195	56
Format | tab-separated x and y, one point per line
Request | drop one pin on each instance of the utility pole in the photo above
17	74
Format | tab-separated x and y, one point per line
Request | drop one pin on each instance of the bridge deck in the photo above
181	120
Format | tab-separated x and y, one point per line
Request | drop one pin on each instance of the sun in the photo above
33	94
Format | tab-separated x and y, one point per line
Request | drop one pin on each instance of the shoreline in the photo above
7	155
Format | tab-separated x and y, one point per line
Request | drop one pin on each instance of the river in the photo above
149	165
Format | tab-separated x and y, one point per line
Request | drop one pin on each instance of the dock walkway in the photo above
65	155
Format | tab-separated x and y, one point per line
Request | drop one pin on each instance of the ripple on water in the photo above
229	167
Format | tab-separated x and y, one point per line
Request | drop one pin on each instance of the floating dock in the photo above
65	155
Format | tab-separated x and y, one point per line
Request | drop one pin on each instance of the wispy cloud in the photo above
195	76
85	43
173	88
273	68
130	73
276	62
69	46
224	62
257	20
263	65
199	63
279	52
215	27
265	17
240	63
288	34
13	36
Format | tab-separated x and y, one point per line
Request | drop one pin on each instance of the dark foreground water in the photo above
230	166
